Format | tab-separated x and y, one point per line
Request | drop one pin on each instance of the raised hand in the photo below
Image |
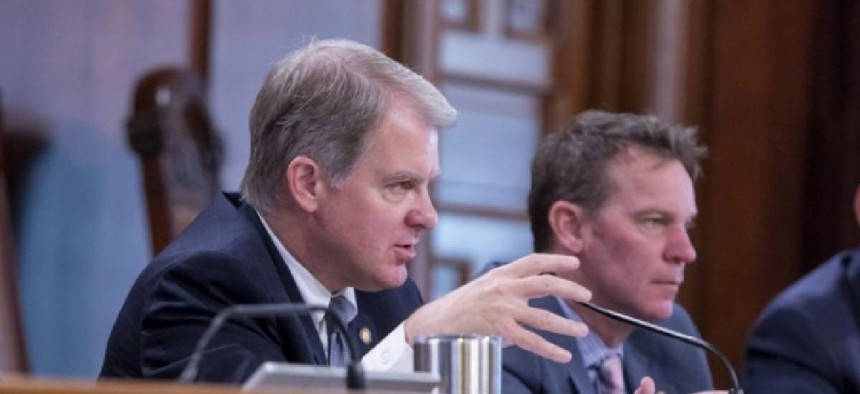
497	304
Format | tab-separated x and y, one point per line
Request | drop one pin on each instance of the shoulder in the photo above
221	254
801	339
822	295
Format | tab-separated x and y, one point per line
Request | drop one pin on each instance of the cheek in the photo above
628	259
620	247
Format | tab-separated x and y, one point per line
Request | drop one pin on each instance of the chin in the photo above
390	280
662	312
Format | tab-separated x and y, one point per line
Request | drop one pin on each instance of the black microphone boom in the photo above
697	342
355	379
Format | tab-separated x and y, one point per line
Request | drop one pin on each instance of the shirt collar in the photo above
591	346
313	292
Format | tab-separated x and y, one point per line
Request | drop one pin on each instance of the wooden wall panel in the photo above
833	133
759	84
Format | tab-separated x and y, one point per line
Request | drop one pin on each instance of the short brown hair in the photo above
571	165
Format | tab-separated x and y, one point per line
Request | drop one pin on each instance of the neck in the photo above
612	332
297	239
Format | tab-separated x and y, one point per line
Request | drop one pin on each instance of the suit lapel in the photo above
307	336
575	369
363	333
636	367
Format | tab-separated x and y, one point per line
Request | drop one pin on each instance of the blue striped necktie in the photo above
338	353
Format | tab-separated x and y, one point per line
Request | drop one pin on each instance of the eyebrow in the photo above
665	213
401	176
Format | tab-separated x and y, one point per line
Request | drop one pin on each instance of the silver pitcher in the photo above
466	364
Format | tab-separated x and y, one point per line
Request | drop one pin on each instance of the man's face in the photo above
372	219
638	247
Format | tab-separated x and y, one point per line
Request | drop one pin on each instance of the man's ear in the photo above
305	182
569	226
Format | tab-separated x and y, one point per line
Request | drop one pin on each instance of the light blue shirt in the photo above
593	350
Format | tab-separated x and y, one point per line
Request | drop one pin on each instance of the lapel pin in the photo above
365	336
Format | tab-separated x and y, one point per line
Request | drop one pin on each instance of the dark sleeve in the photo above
182	304
786	354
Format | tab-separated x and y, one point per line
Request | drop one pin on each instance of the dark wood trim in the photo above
200	32
833	170
759	89
393	17
13	356
571	64
606	55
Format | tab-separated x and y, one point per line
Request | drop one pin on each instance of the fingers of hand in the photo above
646	386
545	285
540	263
545	320
536	344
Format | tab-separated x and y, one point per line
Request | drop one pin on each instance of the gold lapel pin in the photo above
365	336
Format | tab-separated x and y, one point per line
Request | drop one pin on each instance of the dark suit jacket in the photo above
225	257
808	338
675	366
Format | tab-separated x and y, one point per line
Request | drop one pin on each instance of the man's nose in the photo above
680	247
423	214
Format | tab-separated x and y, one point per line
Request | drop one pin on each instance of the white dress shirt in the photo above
392	353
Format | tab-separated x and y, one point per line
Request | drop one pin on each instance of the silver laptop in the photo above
279	375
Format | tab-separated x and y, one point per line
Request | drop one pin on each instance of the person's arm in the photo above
497	304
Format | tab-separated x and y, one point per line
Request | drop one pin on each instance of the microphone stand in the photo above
355	379
697	342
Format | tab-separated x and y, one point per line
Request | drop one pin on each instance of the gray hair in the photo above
572	165
322	101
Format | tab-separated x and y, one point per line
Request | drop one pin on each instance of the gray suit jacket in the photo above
676	367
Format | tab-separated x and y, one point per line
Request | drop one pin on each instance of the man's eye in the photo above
404	185
400	188
655	222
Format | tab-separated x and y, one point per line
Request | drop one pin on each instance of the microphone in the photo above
355	379
697	342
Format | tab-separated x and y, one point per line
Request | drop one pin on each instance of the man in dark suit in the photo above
808	339
335	195
616	191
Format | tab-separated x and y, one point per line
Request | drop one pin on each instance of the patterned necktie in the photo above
610	377
338	353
